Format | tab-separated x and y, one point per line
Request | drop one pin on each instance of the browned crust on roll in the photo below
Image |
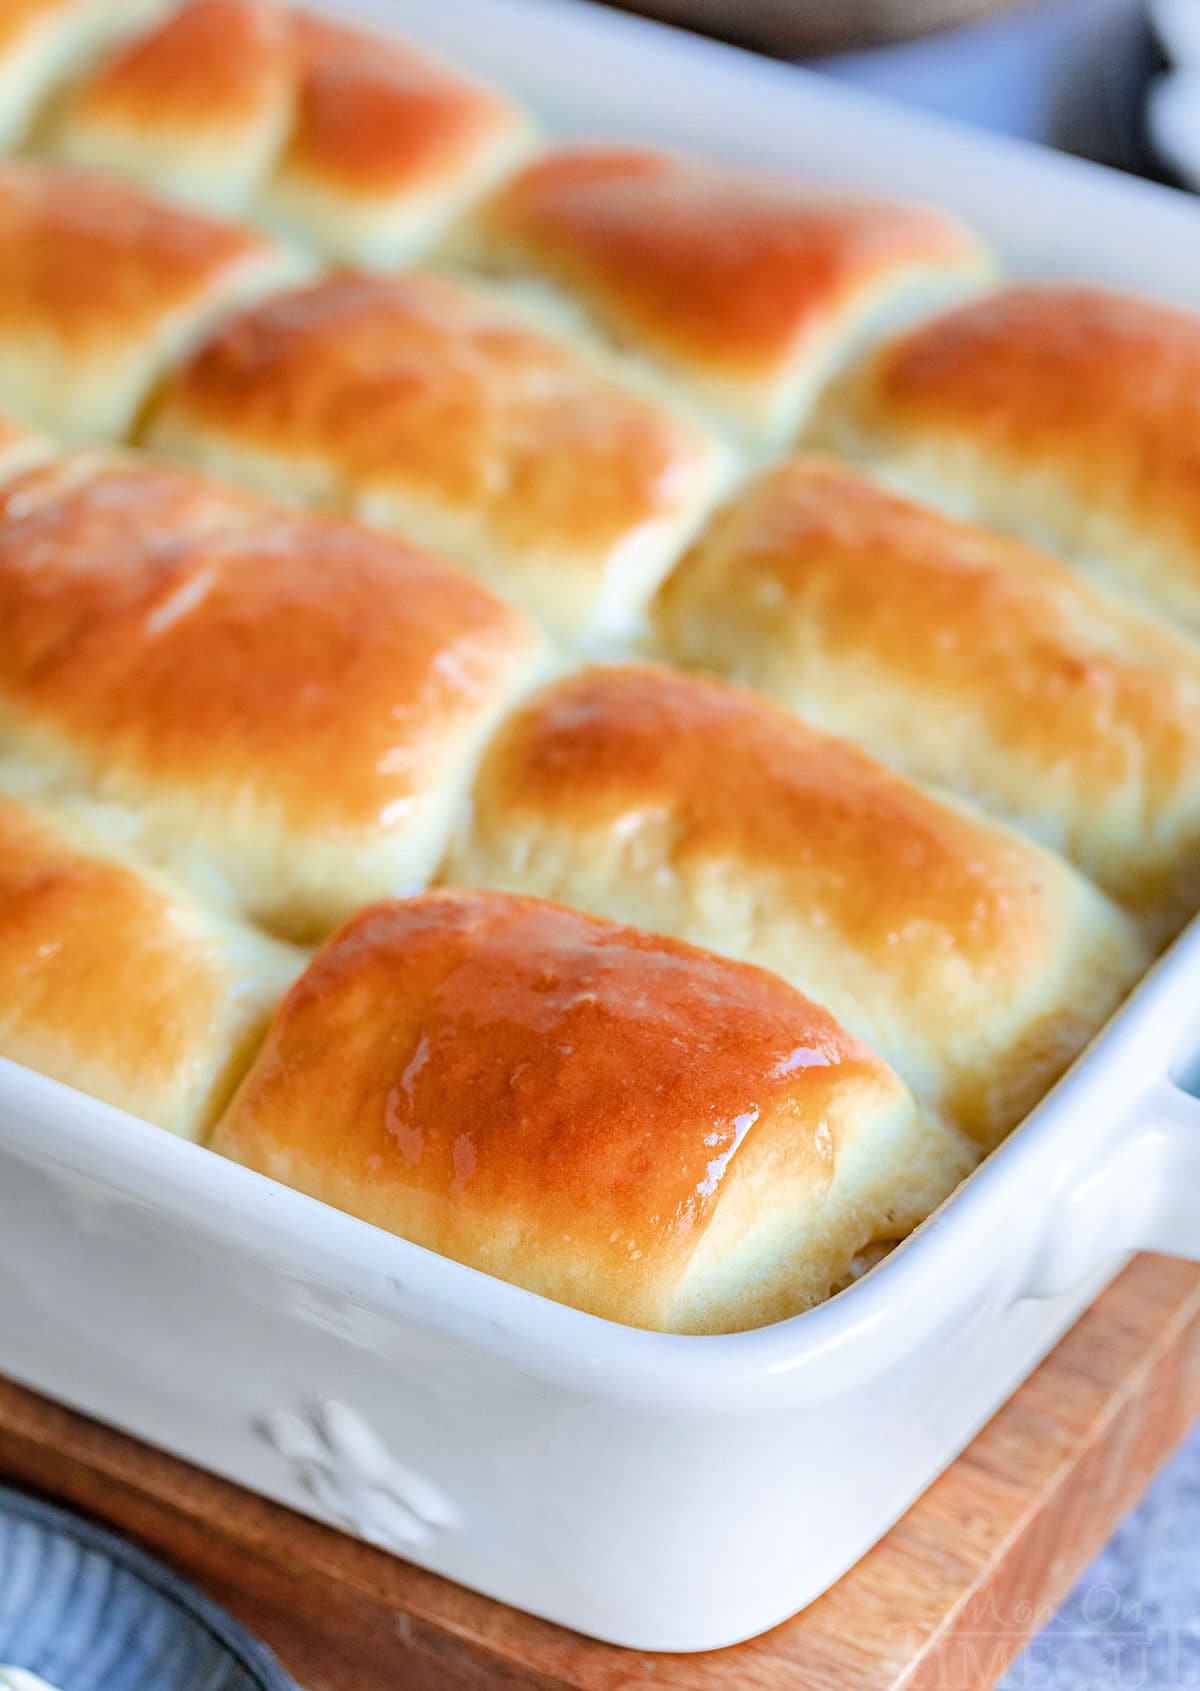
101	285
1065	412
113	983
552	1098
952	946
963	657
268	682
356	141
90	259
207	64
734	280
376	113
45	42
423	403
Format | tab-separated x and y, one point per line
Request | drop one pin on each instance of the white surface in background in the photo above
1017	73
1178	25
1173	111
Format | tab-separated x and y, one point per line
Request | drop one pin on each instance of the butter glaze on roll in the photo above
606	1117
975	962
290	705
115	982
43	42
358	143
426	405
744	288
1065	413
964	658
219	711
100	286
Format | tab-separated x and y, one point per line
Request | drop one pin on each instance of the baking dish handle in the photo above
1171	1118
1144	1197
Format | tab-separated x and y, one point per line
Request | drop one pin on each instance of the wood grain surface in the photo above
943	1603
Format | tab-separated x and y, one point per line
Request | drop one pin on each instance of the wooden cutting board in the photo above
945	1600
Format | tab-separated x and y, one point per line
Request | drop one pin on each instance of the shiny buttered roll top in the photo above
965	659
288	706
44	43
101	286
326	579
975	962
359	144
742	289
118	982
1067	414
425	405
612	1119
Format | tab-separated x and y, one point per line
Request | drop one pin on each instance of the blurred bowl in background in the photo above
797	27
1071	74
87	1611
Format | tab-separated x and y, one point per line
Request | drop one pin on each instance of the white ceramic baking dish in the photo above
662	1492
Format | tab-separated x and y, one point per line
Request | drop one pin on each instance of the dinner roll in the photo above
199	106
964	658
43	42
360	144
743	288
388	143
1067	414
293	706
977	963
114	982
606	1117
423	404
100	286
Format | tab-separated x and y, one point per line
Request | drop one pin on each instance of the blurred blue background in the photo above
1072	73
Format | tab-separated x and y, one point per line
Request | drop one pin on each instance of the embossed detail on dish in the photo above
355	1479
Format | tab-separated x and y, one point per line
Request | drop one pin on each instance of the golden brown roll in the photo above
1064	413
388	143
612	1119
964	658
114	982
101	285
423	404
977	963
42	42
358	143
291	705
199	106
744	288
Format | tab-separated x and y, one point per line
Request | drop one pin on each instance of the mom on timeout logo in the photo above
1102	1641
